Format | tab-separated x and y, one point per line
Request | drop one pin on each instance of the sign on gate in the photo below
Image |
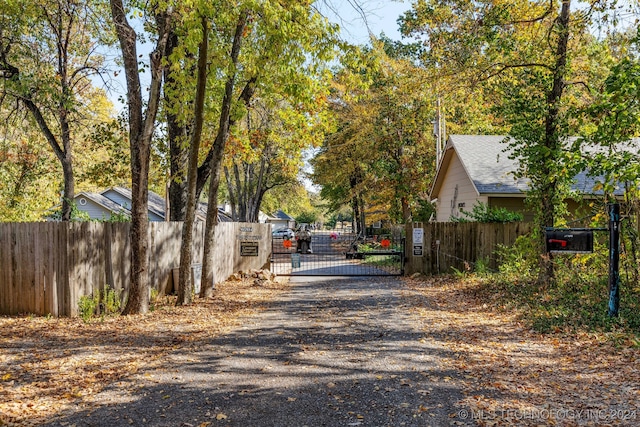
418	241
248	248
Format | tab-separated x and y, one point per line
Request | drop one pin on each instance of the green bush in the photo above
87	306
102	304
481	212
576	301
520	261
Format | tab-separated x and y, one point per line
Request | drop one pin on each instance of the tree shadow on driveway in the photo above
342	352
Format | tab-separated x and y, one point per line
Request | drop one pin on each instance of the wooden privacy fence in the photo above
448	245
46	267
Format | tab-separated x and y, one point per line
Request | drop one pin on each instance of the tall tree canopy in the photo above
257	51
538	57
48	50
381	154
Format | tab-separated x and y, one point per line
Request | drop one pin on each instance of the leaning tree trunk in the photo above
185	287
63	153
215	158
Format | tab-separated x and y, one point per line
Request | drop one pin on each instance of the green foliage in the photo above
307	217
28	178
119	217
111	301
105	303
76	214
87	306
519	263
576	301
378	158
423	210
481	267
460	274
343	214
481	212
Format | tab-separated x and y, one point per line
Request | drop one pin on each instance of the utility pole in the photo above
439	131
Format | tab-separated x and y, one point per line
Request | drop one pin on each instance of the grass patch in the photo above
576	305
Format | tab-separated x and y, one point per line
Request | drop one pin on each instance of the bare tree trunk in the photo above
177	134
233	197
406	211
185	287
215	159
141	127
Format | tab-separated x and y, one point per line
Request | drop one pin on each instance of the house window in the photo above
82	201
461	207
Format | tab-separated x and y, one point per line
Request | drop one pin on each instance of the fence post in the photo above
614	258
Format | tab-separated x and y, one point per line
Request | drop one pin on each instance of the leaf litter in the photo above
512	375
50	365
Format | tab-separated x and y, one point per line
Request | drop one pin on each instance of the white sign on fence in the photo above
418	236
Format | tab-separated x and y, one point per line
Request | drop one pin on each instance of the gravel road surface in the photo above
329	352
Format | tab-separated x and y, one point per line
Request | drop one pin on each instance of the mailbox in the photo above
569	241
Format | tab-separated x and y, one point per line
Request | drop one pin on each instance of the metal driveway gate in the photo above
339	254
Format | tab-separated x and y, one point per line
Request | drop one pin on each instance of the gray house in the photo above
281	220
99	207
117	201
478	168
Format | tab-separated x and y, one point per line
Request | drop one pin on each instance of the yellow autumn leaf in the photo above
6	377
221	417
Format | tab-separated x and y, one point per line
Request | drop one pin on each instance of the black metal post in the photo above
614	258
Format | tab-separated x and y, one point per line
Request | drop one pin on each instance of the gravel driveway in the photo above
329	352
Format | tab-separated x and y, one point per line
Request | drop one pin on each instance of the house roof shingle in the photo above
279	214
486	160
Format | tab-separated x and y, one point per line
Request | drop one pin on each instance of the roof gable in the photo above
279	214
102	205
123	196
486	158
487	161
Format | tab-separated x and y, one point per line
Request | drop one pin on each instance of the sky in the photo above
357	18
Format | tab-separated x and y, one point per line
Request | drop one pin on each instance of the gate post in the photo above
413	262
614	258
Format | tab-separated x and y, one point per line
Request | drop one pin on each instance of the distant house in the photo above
263	217
98	207
117	201
281	220
478	168
122	196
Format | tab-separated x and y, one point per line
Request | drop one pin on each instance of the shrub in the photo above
481	212
101	304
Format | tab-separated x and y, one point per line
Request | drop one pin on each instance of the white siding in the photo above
456	190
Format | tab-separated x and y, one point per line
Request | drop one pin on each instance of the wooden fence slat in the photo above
5	267
45	268
460	245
